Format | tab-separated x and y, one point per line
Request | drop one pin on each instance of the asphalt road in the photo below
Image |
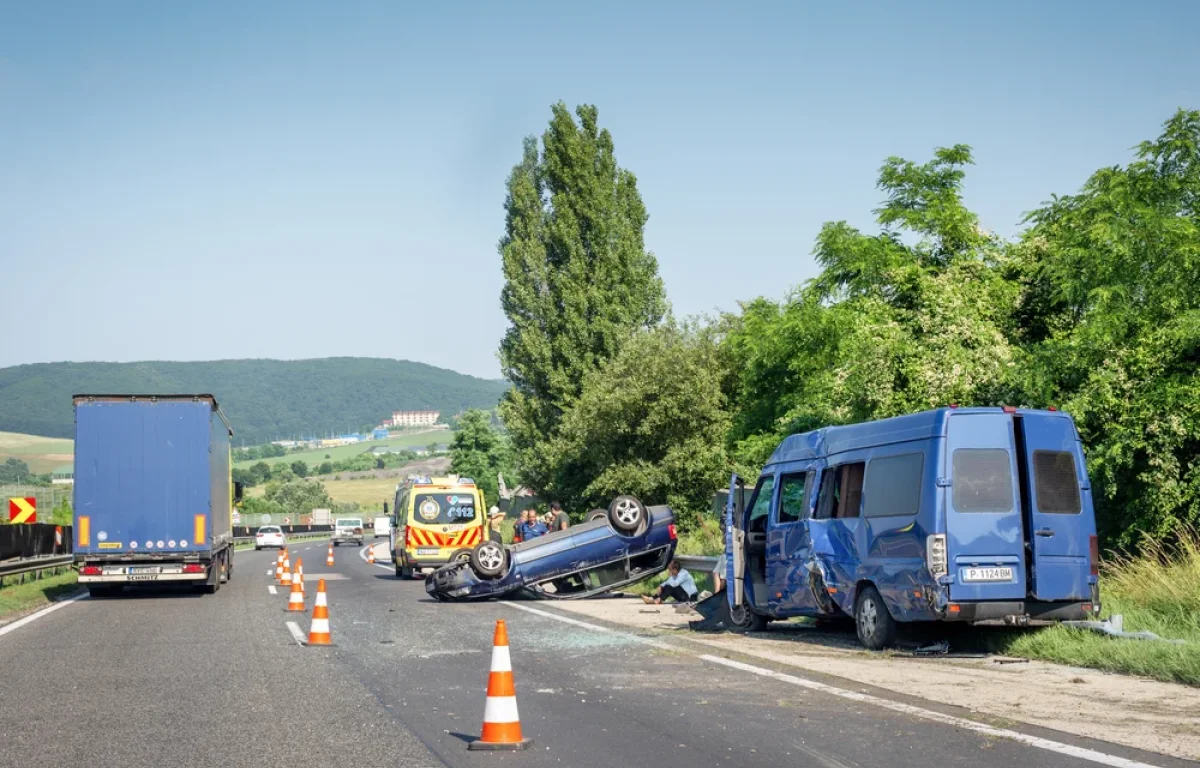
162	677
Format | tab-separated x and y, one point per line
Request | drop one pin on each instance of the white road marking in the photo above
1081	753
294	628
270	573
272	590
385	556
35	616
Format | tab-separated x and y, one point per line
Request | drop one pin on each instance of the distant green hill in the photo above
263	399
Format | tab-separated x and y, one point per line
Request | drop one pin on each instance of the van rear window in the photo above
443	508
1056	483
982	480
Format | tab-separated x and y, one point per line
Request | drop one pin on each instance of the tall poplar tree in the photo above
578	277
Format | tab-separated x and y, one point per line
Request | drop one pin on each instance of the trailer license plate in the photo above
988	574
427	551
144	569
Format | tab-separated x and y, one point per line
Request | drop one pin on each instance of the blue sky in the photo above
197	181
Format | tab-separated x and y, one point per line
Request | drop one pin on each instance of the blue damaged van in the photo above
956	514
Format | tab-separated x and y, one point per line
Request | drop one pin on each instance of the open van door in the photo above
1058	506
735	544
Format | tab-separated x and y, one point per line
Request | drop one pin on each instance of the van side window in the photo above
761	506
982	480
893	485
1056	483
791	498
841	492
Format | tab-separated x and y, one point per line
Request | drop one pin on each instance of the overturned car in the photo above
616	547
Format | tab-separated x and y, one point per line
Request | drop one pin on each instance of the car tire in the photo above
488	559
875	627
742	619
597	514
626	514
461	556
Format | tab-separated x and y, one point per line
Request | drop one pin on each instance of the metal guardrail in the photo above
290	537
30	564
704	563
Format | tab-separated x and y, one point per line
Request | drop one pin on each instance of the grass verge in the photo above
17	598
1157	590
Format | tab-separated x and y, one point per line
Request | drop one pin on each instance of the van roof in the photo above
913	426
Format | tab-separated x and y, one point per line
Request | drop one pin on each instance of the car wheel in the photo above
488	559
742	619
875	626
626	514
461	556
597	514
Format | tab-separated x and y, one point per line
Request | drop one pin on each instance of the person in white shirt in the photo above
680	586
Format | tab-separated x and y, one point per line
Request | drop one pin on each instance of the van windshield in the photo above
443	508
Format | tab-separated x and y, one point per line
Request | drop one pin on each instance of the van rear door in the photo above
984	530
1058	506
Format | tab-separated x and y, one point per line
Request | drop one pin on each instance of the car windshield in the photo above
269	530
443	508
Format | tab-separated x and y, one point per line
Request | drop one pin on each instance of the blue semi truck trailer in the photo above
154	493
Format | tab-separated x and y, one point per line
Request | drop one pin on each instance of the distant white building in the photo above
415	418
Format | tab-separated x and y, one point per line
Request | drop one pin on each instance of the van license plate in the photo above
988	574
427	551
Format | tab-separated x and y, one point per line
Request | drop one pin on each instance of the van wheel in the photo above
626	513
875	626
742	619
488	559
597	514
402	572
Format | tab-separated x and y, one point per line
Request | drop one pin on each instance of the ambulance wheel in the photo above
742	619
626	514
488	559
875	626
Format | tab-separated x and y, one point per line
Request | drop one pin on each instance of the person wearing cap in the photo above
495	520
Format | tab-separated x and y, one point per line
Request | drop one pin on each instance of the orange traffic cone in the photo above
501	723
287	569
329	557
279	567
371	554
296	599
319	633
300	570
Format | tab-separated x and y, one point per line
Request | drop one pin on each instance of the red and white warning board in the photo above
22	510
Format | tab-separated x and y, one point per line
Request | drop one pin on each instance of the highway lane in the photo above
405	685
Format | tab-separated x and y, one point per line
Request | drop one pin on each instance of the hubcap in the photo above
868	617
627	512
491	557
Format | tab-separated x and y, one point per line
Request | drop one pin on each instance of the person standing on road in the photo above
558	519
495	520
680	586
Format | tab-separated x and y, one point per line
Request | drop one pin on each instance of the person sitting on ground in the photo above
558	519
680	586
495	520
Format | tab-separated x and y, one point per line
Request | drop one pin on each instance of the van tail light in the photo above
193	568
90	570
1094	551
935	555
671	531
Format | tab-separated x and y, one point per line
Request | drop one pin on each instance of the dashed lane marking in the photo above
297	635
272	590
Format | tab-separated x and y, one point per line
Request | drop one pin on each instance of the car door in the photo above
1056	487
789	546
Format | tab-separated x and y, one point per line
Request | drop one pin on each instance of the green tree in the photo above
481	452
254	507
14	471
325	468
914	317
653	422
578	278
1110	311
261	472
300	468
299	497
